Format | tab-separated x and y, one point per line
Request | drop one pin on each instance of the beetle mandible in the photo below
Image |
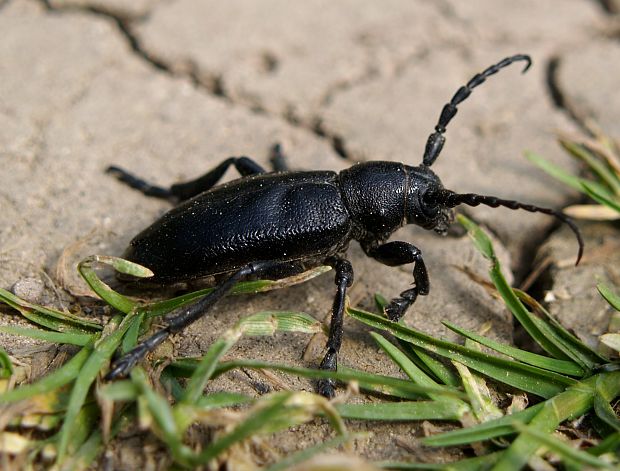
271	225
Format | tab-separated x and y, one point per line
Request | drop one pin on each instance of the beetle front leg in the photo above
185	316
400	253
183	191
344	279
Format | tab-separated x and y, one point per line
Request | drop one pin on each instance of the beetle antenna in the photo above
436	140
451	199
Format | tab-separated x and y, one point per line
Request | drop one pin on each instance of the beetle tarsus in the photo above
139	184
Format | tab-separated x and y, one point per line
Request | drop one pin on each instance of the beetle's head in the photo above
421	206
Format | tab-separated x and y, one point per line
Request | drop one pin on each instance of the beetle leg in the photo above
182	191
400	253
344	279
185	316
278	159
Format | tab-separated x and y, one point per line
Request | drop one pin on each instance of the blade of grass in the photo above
47	317
339	375
6	366
114	299
72	338
525	377
612	298
57	378
245	287
572	403
164	416
480	399
551	364
600	196
265	323
249	427
400	411
602	398
307	453
573	347
375	384
415	374
609	444
103	350
525	318
566	452
468	464
601	169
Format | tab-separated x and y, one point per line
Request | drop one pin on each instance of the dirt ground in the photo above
167	89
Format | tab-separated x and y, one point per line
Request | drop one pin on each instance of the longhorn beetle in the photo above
271	225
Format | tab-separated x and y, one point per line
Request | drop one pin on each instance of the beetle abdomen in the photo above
289	216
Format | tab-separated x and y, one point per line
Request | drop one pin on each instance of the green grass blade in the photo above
103	350
555	171
551	364
264	323
375	384
72	338
598	167
568	179
602	398
124	390
600	196
164	416
339	375
525	377
249	427
223	399
468	464
570	345
566	452
572	403
245	287
610	444
47	317
480	398
6	366
114	299
485	431
398	411
610	296
205	369
306	454
57	378
415	374
525	318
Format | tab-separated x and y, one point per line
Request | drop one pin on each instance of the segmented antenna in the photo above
436	140
451	199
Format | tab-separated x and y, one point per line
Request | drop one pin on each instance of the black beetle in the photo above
271	225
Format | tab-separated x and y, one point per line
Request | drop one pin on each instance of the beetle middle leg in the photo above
187	315
400	253
183	191
344	279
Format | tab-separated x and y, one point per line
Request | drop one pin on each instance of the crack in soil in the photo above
560	99
213	83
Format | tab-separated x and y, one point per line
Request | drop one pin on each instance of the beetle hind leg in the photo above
185	190
185	316
344	279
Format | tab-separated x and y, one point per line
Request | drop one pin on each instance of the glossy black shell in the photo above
284	216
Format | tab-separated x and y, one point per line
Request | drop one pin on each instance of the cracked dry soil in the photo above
168	89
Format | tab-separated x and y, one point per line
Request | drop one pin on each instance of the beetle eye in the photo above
429	201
